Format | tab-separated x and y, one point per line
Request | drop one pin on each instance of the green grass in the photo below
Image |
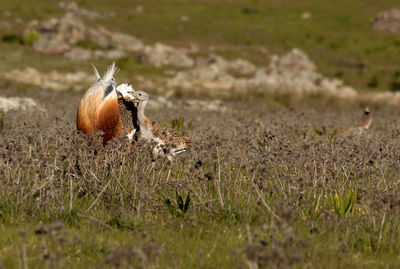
338	36
335	198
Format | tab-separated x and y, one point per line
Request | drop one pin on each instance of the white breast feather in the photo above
125	90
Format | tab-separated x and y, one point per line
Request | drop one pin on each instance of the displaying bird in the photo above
106	109
168	141
128	110
366	119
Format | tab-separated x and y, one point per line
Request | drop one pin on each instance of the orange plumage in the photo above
98	109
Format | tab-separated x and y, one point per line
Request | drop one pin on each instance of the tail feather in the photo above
109	74
96	73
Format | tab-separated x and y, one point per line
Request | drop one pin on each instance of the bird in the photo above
366	119
168	141
128	110
106	109
365	123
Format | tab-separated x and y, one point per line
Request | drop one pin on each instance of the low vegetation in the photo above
257	188
338	37
270	181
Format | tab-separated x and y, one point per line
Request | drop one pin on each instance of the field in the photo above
271	182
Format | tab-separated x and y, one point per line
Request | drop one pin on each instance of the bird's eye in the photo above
140	94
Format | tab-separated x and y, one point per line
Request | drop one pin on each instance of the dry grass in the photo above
263	187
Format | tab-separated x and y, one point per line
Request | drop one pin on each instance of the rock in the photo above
99	35
50	44
293	61
68	6
71	29
184	18
52	80
387	21
64	36
213	105
109	54
292	72
72	7
139	9
392	98
15	103
306	15
241	67
126	42
160	55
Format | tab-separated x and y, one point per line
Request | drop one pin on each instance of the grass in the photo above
273	184
338	36
275	193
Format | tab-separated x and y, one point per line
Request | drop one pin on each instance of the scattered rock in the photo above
387	21
47	44
139	9
392	98
84	54
306	15
125	42
74	8
14	103
213	105
160	54
66	35
184	18
241	67
52	80
293	72
63	36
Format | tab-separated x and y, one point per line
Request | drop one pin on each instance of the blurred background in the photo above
277	50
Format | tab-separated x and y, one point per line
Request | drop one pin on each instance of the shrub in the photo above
30	37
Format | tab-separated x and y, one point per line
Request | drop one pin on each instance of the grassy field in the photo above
338	36
278	189
272	185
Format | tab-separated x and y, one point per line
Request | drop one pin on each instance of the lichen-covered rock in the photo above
160	55
53	80
14	103
387	21
292	72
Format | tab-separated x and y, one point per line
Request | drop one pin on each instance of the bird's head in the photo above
141	96
108	77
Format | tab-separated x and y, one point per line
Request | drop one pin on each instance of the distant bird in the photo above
106	109
168	141
366	119
365	123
